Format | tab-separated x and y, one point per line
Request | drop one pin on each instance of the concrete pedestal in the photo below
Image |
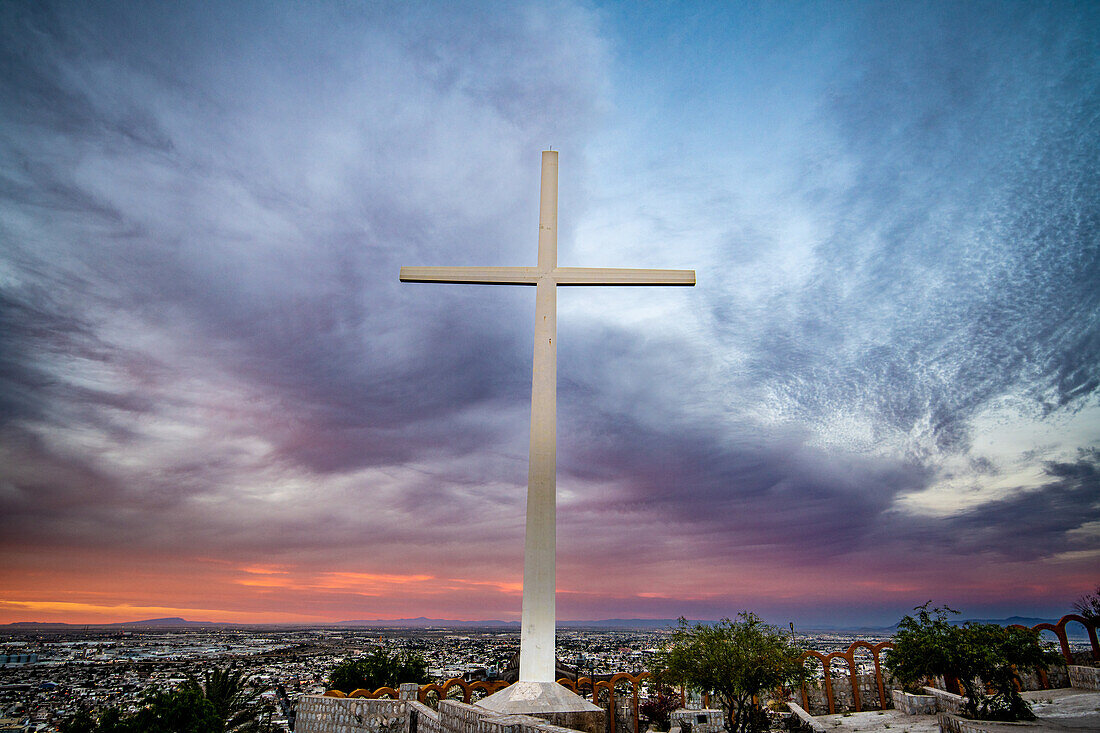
550	702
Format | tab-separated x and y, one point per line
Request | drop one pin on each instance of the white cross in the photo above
538	619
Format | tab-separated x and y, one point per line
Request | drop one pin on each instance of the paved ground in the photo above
1058	711
1066	708
886	721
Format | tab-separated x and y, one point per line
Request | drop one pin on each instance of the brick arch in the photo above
566	682
487	687
1090	629
859	653
1059	630
853	673
426	690
379	693
876	656
597	686
853	680
443	691
811	654
631	678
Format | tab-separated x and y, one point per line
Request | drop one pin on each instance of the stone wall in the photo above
421	719
699	721
913	704
458	717
320	714
1083	657
1084	678
1056	677
624	714
946	701
842	695
950	723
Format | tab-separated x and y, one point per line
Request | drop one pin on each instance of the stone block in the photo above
946	702
805	718
707	720
587	721
1084	678
911	704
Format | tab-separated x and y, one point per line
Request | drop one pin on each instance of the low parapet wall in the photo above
1084	678
708	720
321	714
913	704
947	702
805	720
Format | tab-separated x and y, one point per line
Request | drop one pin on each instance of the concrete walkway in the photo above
886	721
1066	708
1058	711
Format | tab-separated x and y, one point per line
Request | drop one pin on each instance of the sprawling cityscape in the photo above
51	674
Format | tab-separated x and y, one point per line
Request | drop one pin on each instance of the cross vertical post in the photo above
538	619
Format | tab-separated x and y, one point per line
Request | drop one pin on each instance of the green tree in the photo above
82	722
380	668
734	661
980	656
236	702
112	721
180	711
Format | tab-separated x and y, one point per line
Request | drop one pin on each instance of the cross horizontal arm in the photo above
471	275
621	276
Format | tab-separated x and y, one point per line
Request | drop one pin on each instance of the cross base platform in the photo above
536	698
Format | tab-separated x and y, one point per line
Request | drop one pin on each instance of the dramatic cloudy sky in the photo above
218	402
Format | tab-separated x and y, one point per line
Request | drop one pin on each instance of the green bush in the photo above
179	711
379	669
733	660
222	702
658	709
984	659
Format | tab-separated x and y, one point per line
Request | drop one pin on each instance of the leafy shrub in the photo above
658	709
981	656
179	711
380	668
733	660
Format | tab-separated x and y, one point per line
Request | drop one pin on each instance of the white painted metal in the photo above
538	617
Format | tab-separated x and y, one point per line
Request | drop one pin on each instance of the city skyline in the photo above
217	402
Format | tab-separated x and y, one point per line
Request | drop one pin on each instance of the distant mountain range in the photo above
422	622
174	621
